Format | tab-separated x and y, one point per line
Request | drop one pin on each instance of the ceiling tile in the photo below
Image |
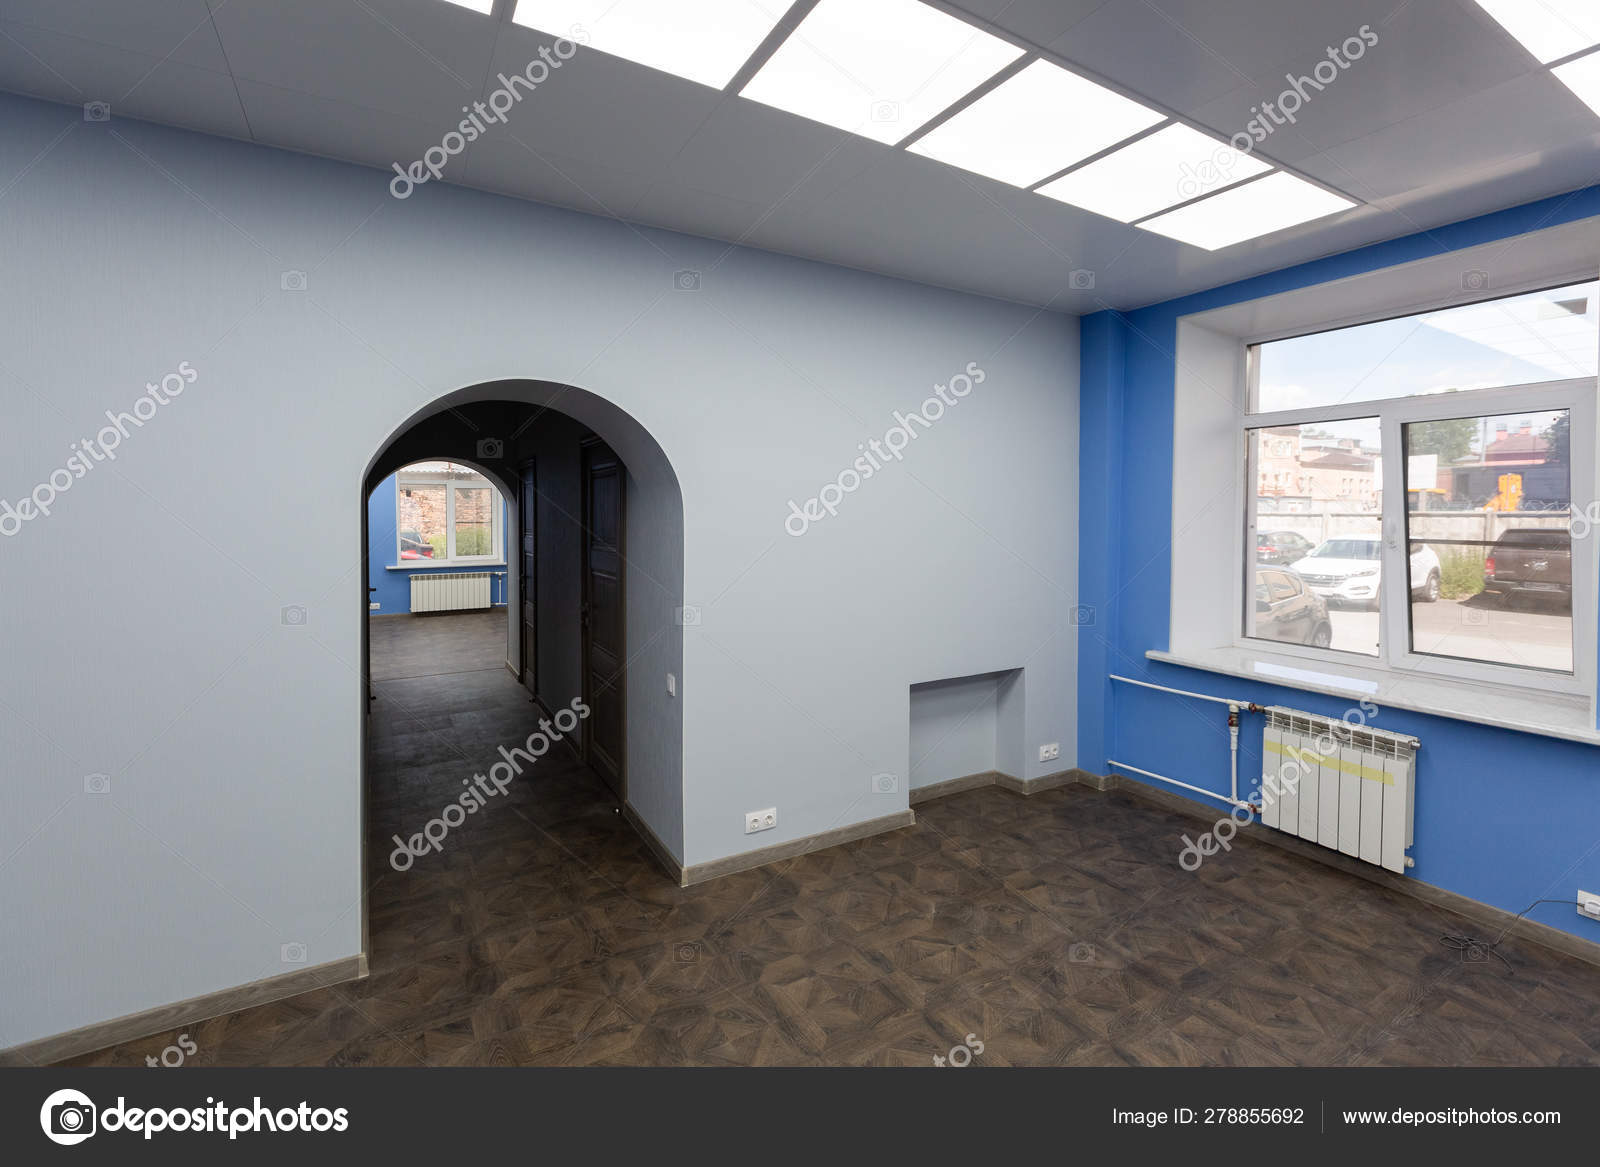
1475	136
420	58
316	125
70	68
736	153
159	28
599	107
177	95
1149	52
1036	21
506	164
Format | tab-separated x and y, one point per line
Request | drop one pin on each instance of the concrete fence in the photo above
1456	534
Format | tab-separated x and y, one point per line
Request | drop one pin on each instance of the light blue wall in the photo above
969	725
394	587
235	735
1501	817
955	728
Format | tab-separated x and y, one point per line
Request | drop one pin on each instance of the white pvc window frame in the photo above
1395	652
450	486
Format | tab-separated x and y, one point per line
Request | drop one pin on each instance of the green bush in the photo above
472	541
1460	576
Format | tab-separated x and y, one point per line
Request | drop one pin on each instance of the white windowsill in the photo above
463	564
1556	715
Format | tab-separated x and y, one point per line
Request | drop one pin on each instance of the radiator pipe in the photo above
1234	708
1174	782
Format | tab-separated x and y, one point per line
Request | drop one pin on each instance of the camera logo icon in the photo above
886	111
1081	953
293	616
689	616
68	1117
97	111
97	784
1475	280
687	952
293	952
686	280
885	784
292	281
1080	279
1082	615
491	449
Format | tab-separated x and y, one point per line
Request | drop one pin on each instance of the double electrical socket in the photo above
1589	905
1050	751
760	820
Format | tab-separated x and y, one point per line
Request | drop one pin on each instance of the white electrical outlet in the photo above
672	685
1050	751
1589	905
760	820
374	606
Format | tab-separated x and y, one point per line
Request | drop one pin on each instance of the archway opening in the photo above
537	755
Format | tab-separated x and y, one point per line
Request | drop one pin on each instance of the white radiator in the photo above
452	592
1345	787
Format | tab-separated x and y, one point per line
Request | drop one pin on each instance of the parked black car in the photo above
1287	610
1281	547
1533	560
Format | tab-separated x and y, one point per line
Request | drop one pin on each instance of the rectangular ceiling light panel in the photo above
1269	204
1030	126
1171	166
484	6
879	68
703	40
1549	29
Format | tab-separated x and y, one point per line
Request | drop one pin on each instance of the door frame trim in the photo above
587	446
528	583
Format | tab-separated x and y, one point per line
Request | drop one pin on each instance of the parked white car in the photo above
1349	572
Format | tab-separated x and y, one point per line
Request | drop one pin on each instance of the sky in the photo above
1511	341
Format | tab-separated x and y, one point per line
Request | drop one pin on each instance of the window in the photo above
1491	534
1536	336
1319	513
446	513
1420	476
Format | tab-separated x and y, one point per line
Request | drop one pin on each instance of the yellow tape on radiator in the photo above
1311	758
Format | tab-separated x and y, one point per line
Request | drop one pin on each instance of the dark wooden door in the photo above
604	651
529	582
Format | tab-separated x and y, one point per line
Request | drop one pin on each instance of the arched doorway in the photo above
593	566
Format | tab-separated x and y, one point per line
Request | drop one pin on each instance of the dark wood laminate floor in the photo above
1057	929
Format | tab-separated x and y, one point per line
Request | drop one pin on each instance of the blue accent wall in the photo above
1501	817
394	587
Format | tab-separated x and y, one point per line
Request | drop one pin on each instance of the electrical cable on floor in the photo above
1474	950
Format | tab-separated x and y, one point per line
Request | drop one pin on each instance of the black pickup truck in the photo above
1531	560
